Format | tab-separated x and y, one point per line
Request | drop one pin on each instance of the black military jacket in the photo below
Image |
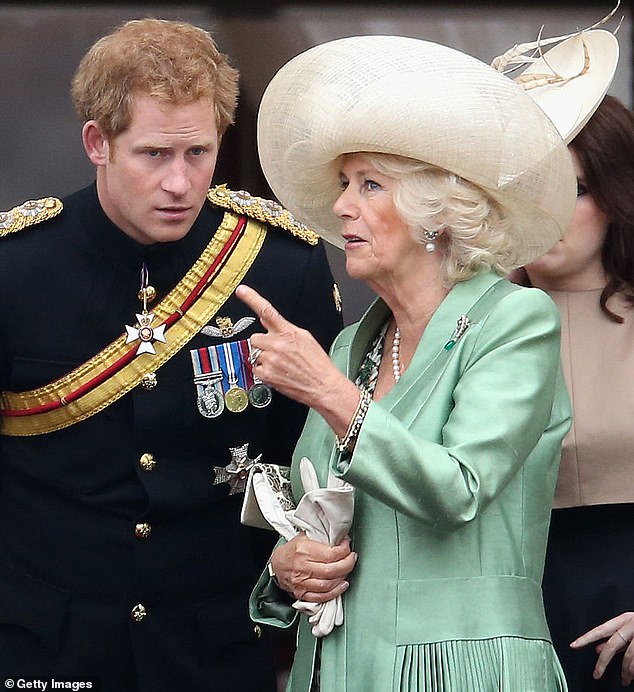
119	556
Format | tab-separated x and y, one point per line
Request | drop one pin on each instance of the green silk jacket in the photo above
454	474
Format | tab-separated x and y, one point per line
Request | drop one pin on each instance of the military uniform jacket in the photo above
119	556
454	472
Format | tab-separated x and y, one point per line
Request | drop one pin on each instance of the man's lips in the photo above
173	212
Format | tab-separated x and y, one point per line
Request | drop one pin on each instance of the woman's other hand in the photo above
313	571
618	634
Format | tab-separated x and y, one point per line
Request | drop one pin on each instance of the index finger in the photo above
269	316
601	631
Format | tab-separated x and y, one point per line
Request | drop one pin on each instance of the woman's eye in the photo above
371	185
581	189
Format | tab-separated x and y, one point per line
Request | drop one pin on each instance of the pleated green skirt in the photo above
501	664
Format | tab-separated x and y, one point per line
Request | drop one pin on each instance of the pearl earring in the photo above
430	237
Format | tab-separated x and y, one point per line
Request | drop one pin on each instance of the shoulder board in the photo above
28	214
265	210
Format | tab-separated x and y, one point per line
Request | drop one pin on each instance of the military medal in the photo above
232	365
208	379
260	394
224	379
237	470
236	398
143	331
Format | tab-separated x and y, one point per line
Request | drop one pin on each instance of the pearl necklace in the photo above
396	355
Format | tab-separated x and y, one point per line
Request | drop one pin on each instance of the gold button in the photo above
149	381
147	461
148	293
142	530
138	612
258	631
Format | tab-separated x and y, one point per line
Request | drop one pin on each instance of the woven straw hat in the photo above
421	100
586	63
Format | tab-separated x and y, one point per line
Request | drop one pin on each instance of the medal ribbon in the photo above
245	351
204	362
230	359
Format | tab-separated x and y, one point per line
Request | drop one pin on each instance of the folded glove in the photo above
324	514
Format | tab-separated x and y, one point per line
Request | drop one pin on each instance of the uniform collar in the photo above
167	262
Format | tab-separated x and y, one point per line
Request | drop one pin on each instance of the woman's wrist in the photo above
346	443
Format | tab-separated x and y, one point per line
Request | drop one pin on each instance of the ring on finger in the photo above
255	354
625	641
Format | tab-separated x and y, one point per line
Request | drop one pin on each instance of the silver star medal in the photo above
145	333
237	470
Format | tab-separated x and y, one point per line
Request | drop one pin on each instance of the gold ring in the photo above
625	641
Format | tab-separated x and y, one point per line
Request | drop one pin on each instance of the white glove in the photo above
325	514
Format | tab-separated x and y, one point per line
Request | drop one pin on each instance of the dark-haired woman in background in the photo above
589	576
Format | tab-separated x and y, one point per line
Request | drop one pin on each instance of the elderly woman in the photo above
444	406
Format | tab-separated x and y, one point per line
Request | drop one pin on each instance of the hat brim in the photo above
585	64
418	99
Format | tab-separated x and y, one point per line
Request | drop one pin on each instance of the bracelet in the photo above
344	443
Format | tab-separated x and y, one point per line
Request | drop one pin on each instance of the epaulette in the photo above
260	209
28	214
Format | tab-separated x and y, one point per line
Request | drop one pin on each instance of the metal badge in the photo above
236	398
210	402
231	357
226	329
224	379
143	331
260	395
208	380
336	295
237	470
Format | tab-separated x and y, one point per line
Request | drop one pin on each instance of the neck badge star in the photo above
145	333
237	470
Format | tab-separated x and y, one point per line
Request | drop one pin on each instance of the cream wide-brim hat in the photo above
586	64
422	100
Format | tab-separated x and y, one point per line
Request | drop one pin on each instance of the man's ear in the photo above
95	143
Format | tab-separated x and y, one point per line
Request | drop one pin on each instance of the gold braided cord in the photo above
265	210
28	214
